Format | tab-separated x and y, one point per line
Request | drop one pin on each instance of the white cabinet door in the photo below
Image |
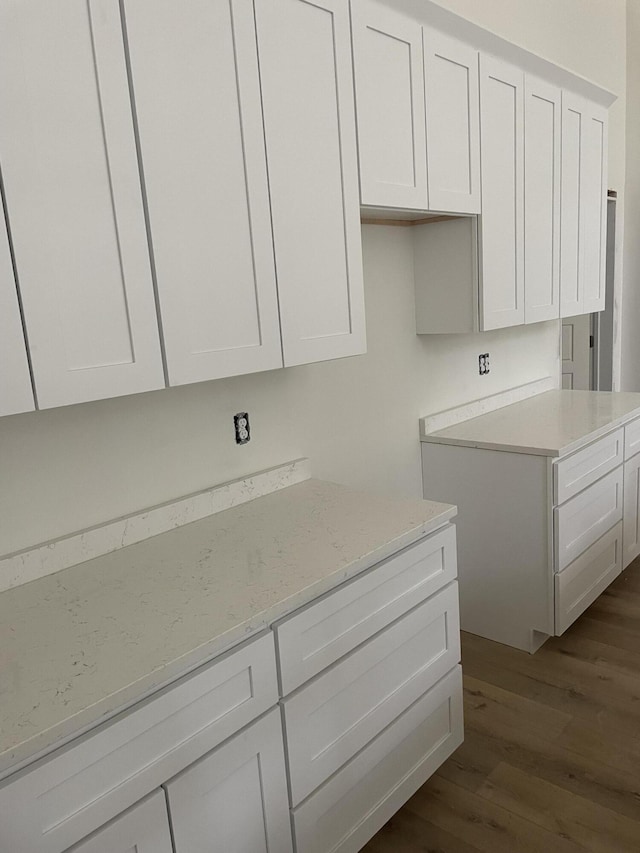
74	201
594	199
631	517
195	78
584	206
143	829
502	221
390	105
235	799
453	124
542	200
16	394
307	92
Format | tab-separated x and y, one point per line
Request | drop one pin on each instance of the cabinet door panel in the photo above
571	260
195	78
631	527
453	124
74	201
235	799
594	196
143	829
16	394
502	221
542	201
390	104
307	89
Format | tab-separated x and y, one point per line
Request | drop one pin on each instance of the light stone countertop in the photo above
80	645
551	424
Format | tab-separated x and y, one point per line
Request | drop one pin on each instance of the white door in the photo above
235	799
453	123
197	92
502	220
307	92
594	198
74	201
390	105
571	228
143	829
542	200
16	394
576	352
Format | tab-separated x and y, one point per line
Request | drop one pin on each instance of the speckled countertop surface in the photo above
551	424
79	645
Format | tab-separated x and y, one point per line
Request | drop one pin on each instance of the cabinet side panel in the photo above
504	568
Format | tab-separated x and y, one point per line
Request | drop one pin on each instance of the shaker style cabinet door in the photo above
235	799
594	196
584	206
74	201
196	87
390	106
502	221
16	394
453	123
542	200
306	74
142	829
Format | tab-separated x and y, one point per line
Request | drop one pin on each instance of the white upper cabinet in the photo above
542	200
502	221
584	206
16	394
196	85
306	74
594	195
453	123
74	201
390	106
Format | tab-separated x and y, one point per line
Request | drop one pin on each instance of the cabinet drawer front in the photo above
345	812
84	785
579	470
241	795
586	517
632	439
581	583
332	718
318	636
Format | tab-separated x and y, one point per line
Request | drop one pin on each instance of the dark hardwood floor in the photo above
551	758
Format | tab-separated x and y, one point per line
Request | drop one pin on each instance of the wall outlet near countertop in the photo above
243	430
483	363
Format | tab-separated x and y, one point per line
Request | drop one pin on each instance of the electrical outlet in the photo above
483	363
243	430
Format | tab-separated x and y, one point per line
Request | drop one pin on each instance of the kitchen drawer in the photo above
632	438
586	517
341	710
82	786
322	633
576	472
579	585
348	809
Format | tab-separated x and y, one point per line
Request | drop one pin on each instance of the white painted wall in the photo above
631	292
357	419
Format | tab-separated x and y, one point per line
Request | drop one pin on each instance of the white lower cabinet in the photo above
235	799
143	829
631	539
349	808
375	715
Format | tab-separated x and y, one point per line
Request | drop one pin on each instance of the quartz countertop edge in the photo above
41	709
554	423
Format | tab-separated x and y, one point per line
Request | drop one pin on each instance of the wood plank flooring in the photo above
551	758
